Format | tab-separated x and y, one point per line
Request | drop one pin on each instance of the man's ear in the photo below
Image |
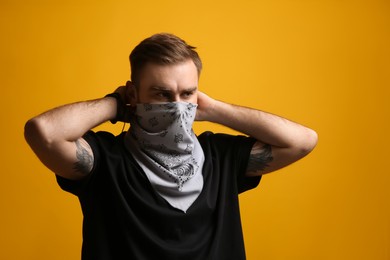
131	94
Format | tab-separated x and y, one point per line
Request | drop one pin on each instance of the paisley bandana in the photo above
163	143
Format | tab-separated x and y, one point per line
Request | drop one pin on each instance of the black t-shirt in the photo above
124	218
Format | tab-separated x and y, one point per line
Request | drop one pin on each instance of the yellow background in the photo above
325	64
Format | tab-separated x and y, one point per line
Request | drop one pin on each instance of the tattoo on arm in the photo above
85	160
259	158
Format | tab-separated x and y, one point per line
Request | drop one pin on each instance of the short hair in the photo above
161	48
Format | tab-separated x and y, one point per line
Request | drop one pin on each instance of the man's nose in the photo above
176	98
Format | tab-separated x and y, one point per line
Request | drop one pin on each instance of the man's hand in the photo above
205	108
126	105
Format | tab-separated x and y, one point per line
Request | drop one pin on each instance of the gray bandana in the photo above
163	143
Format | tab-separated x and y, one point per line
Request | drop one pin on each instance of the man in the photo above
159	191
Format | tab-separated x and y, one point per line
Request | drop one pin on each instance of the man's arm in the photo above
280	142
56	135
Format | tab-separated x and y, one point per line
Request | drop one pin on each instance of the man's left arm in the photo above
280	142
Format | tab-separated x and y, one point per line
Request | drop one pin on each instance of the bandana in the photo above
163	143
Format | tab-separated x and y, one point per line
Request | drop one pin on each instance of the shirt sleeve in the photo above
234	152
243	148
76	187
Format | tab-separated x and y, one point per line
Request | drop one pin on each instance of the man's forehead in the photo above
183	76
168	70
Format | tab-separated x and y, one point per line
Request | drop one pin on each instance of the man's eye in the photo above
188	94
163	94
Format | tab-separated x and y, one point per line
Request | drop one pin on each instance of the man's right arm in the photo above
56	135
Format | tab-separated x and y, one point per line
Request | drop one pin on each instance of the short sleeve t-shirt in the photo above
124	218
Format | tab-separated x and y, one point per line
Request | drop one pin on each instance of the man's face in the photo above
168	83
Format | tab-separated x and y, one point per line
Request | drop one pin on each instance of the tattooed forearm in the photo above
84	157
259	158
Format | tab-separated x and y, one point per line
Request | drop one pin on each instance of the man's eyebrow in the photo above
191	89
159	88
165	89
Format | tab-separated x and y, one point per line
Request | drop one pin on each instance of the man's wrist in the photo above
119	107
216	112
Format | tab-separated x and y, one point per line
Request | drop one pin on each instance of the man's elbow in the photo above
34	133
308	143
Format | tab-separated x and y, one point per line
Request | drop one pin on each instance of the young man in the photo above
159	191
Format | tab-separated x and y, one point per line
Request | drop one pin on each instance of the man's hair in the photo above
162	49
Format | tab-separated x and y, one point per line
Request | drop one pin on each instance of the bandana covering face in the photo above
163	143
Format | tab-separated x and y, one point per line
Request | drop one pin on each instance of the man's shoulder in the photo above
103	135
223	141
103	140
208	135
212	135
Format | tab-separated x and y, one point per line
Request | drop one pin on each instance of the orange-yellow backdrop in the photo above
325	64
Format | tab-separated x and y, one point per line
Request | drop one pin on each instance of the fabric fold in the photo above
163	143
